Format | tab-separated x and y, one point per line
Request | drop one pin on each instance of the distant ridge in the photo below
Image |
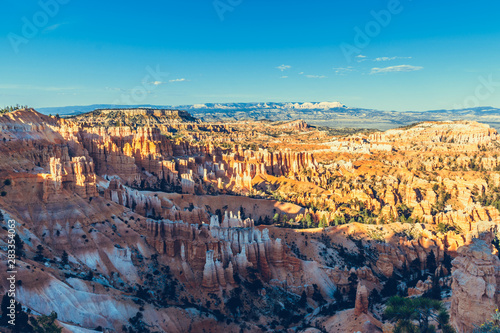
74	110
266	105
331	114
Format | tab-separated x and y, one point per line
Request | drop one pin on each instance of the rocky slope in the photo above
184	226
476	277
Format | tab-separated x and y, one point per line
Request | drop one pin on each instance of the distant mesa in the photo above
133	117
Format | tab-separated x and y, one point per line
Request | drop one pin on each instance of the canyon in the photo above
151	220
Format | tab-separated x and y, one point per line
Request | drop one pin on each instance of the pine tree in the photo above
408	311
276	218
374	298
323	223
39	254
45	324
309	220
431	262
21	321
390	287
353	288
303	300
64	258
447	261
260	221
19	246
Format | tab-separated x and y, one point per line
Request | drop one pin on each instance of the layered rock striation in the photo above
221	249
475	274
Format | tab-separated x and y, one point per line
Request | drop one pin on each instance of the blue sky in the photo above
418	55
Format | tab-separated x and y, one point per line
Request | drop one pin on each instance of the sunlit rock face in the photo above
476	272
177	208
221	249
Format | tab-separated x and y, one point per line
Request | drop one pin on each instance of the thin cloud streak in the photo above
390	58
392	69
284	67
316	76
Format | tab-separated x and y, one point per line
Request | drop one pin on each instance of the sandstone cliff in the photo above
476	272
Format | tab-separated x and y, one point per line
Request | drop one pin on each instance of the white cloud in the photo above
53	27
389	58
343	70
316	76
360	58
159	83
400	68
284	77
301	73
284	67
